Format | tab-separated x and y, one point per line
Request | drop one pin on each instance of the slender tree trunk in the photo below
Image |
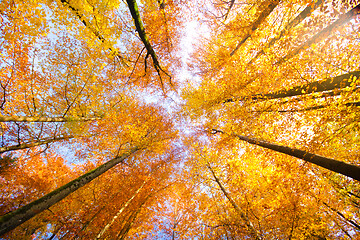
119	212
46	119
124	231
142	34
328	84
299	18
141	30
34	144
87	223
129	224
19	216
54	233
268	8
87	24
334	165
349	221
344	18
242	215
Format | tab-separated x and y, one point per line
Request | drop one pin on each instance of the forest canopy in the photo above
173	119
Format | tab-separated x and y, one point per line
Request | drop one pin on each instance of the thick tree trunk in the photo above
299	18
119	212
242	215
344	18
46	119
350	104
334	165
268	8
19	216
33	144
329	84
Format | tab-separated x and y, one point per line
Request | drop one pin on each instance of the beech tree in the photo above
121	120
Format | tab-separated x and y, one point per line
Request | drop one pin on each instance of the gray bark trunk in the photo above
119	212
242	215
329	84
268	8
46	119
86	23
299	18
334	165
33	144
15	218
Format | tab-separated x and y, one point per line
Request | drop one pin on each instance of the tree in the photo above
348	170
121	120
150	138
13	219
284	85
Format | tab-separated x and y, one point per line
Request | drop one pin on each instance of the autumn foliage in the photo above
121	120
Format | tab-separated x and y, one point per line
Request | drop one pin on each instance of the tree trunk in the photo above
124	231
87	223
349	221
349	104
87	24
46	119
329	84
15	218
119	212
299	18
268	8
337	166
344	18
142	34
33	144
242	215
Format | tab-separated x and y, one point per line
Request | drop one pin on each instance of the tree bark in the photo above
46	119
344	18
142	34
33	144
242	215
349	104
328	84
334	165
122	234
119	212
349	221
268	8
86	23
15	218
299	18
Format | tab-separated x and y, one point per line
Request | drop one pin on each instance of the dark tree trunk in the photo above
268	8
299	18
142	34
329	84
87	24
242	215
15	218
33	144
334	165
47	119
